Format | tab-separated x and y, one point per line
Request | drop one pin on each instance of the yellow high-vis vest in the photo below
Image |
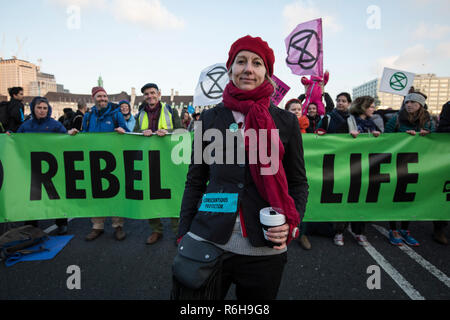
165	119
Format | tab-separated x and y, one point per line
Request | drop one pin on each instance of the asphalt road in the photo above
132	270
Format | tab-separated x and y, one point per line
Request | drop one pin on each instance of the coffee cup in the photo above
270	218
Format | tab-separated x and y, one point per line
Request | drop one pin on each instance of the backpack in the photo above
4	116
17	240
68	121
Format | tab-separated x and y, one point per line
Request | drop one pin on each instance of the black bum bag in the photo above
196	262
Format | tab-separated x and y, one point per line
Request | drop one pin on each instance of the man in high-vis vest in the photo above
156	118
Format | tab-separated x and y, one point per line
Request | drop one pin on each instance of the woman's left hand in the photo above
278	235
376	133
424	132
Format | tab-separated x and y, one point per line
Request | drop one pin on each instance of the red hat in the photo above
96	90
256	45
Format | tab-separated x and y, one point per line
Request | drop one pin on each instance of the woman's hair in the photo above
346	95
360	105
290	103
421	116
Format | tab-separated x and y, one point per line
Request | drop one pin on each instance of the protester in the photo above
341	121
313	117
195	117
156	117
186	120
104	117
362	109
14	110
254	267
77	121
41	122
412	119
329	104
444	126
67	118
338	120
125	108
295	106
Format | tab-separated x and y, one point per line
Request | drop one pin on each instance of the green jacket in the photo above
395	125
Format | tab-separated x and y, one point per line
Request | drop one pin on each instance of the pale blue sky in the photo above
126	42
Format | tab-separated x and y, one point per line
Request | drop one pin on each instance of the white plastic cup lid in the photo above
271	220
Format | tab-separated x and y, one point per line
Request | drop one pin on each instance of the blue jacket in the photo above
45	125
105	121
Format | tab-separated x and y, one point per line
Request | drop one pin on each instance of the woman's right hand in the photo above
354	133
411	132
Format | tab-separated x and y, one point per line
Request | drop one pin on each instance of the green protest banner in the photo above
392	177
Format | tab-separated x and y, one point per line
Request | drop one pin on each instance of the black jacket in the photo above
338	122
235	178
77	120
444	119
16	117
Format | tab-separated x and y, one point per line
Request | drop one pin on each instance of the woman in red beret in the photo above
239	252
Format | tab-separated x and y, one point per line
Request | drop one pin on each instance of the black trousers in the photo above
404	225
358	228
439	225
256	277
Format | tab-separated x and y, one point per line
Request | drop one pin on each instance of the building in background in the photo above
20	73
44	83
17	73
436	88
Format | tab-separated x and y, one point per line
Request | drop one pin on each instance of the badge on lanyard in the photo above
219	202
234	127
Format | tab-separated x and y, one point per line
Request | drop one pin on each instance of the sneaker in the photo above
394	238
408	239
362	240
339	239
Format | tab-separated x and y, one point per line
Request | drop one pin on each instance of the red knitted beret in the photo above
256	45
96	90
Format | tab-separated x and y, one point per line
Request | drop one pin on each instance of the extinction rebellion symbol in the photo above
398	81
215	90
309	54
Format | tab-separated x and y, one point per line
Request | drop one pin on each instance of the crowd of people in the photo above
351	117
246	100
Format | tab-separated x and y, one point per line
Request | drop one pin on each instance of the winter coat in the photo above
104	120
44	125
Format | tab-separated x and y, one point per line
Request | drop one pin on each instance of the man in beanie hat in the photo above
104	117
156	118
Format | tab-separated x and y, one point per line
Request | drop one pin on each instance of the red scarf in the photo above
254	104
